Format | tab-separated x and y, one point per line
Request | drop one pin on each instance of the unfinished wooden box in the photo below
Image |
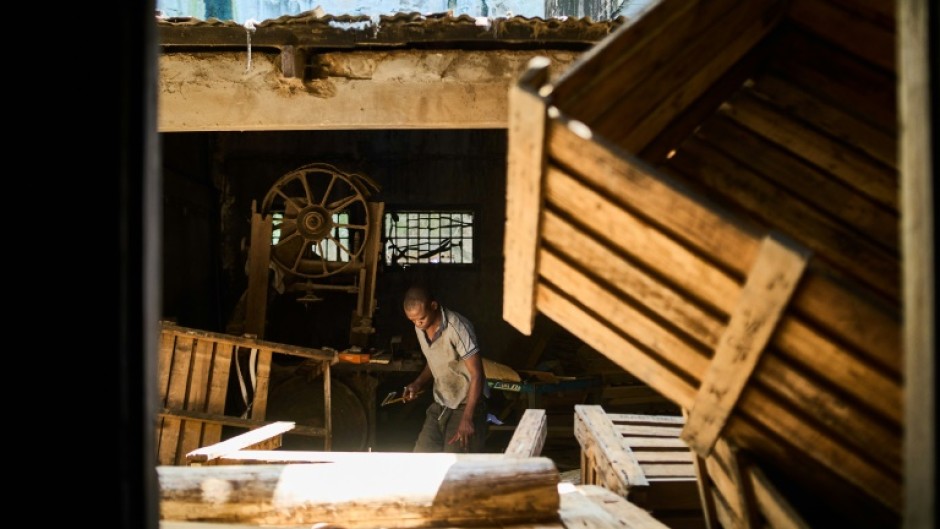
709	197
641	458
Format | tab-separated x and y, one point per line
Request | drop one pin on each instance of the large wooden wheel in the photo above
321	220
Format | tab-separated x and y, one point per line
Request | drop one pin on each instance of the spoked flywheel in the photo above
320	220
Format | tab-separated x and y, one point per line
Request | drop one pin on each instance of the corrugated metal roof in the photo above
315	30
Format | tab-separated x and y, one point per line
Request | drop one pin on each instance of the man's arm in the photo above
411	390
465	431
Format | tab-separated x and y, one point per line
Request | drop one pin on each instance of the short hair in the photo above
417	296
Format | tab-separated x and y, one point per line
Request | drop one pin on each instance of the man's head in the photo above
421	307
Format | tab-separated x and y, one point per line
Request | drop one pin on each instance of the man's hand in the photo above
464	433
410	393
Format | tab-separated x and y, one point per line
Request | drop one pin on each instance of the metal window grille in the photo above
428	237
330	250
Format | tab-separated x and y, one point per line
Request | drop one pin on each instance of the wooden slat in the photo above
652	431
725	486
876	181
654	443
706	497
821	446
639	239
617	469
623	317
667	456
766	293
854	425
773	506
810	184
328	406
259	403
688	215
259	260
529	436
238	422
723	513
624	55
837	243
524	173
731	461
218	390
164	363
683	80
243	341
871	385
239	442
823	115
652	471
838	77
196	396
637	418
855	34
411	490
629	281
168	451
622	352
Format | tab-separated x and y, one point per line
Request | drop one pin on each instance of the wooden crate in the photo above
709	198
641	458
194	369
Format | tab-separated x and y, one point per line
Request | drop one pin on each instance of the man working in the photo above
456	420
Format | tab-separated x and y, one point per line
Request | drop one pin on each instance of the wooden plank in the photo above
197	393
766	293
730	456
629	281
687	215
639	239
829	195
678	84
637	418
876	181
617	469
821	446
238	422
168	451
373	255
843	28
824	116
864	433
624	55
218	390
529	437
773	506
655	443
164	363
917	96
259	262
652	471
872	385
239	442
250	343
628	320
724	487
594	507
668	456
524	174
412	490
836	76
622	352
725	516
652	431
706	497
840	244
328	406
259	402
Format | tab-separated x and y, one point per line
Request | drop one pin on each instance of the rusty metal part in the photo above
392	399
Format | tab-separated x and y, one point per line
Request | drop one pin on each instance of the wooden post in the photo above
259	259
529	437
527	118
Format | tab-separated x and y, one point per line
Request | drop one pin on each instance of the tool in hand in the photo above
392	399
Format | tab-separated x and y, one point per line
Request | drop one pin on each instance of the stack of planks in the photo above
772	340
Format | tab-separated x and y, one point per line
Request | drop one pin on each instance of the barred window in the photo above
428	237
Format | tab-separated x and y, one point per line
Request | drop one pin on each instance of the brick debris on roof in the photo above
316	30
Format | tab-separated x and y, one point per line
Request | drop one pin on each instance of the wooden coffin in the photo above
709	198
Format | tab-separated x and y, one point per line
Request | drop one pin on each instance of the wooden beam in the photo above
524	174
250	343
529	436
594	507
772	505
293	60
615	465
259	263
766	293
402	490
238	422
